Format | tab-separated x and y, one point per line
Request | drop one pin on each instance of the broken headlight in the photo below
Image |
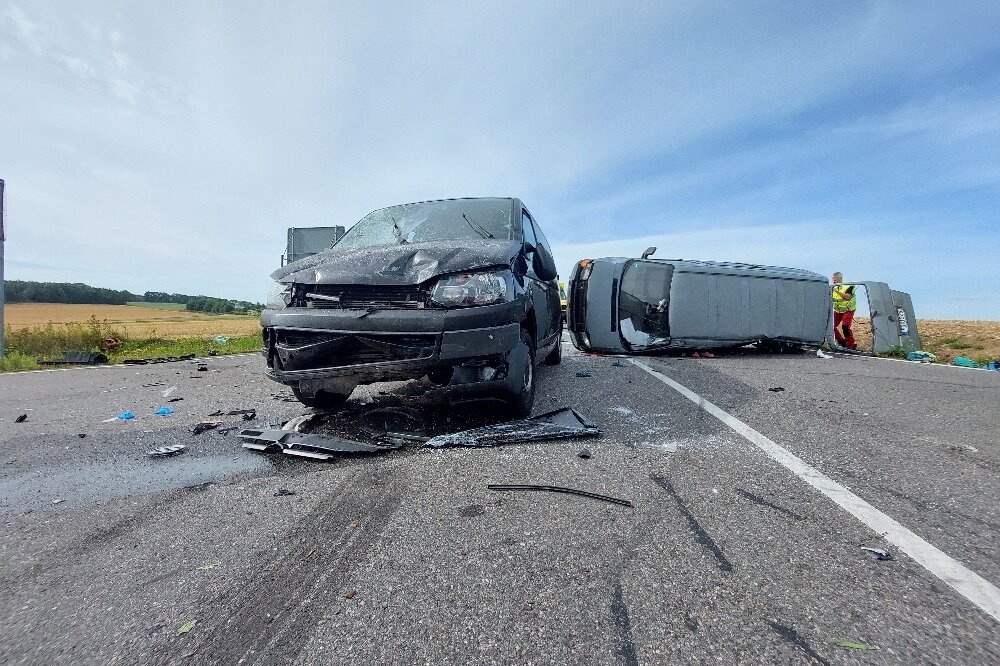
467	289
279	297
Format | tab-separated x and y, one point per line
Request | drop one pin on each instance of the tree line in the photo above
21	291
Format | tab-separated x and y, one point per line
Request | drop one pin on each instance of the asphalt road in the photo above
728	556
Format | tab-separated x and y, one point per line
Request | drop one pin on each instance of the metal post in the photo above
3	237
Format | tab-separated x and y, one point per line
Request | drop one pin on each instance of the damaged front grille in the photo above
361	296
311	350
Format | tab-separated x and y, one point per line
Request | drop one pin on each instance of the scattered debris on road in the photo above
202	367
21	419
167	359
820	354
776	389
559	489
350	595
298	423
81	435
58	501
186	627
125	416
963	448
404	438
559	424
164	411
879	553
205	425
619	363
76	358
851	645
396	420
175	400
209	566
585	454
167	392
166	451
284	492
584	373
319	447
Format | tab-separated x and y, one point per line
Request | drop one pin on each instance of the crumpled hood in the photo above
398	264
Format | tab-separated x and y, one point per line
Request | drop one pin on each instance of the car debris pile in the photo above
558	424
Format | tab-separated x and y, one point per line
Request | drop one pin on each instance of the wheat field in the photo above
135	320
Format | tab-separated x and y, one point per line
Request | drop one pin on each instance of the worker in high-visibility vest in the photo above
845	304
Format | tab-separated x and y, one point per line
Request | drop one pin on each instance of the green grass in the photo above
52	340
158	306
894	352
24	346
197	346
13	361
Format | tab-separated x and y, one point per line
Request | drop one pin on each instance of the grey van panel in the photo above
906	321
713	304
725	309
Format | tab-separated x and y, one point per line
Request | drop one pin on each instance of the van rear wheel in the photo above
555	356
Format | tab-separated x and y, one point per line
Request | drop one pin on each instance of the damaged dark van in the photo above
462	291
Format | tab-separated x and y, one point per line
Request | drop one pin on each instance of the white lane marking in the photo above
966	582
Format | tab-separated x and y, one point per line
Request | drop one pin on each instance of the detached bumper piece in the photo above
562	423
307	350
317	447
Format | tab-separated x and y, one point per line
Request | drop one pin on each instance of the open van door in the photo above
893	321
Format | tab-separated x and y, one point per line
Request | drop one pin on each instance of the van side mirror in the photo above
649	252
544	264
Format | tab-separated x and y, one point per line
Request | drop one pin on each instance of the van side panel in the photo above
714	309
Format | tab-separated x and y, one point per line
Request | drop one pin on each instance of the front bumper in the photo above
301	344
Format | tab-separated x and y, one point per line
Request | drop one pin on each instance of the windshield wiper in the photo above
397	231
478	228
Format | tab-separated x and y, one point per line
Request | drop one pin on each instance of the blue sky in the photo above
168	147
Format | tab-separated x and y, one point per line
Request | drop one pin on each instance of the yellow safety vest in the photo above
844	300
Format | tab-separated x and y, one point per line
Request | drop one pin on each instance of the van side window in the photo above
528	229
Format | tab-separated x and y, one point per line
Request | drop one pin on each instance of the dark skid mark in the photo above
472	511
763	502
793	637
625	648
700	535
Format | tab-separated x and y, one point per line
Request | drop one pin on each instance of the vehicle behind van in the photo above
618	304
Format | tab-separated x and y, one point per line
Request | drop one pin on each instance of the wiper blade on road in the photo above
478	228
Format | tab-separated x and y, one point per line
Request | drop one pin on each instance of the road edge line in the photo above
963	580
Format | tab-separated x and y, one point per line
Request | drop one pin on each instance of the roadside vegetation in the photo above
25	345
945	338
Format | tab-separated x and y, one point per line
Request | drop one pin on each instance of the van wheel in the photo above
522	377
555	356
323	400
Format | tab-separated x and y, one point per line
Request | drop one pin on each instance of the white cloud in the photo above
169	149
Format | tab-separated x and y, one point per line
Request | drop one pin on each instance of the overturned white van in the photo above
618	304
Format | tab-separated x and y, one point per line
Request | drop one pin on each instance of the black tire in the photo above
324	400
522	381
555	356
